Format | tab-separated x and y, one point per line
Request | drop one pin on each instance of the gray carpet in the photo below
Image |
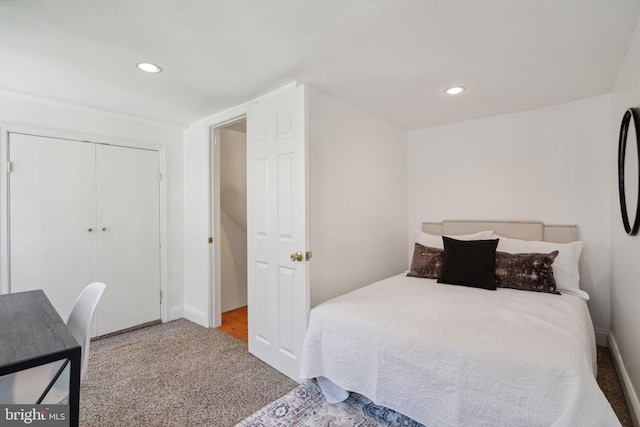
180	374
610	385
175	374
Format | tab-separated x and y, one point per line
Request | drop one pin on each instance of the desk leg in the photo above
74	387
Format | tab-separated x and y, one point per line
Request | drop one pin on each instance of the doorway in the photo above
231	241
278	280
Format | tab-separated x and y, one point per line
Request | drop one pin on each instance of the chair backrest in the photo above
79	322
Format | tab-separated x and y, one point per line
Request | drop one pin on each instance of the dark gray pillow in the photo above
426	262
469	263
529	272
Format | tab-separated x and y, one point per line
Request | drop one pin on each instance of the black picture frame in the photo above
631	113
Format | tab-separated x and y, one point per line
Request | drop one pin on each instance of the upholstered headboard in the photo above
524	230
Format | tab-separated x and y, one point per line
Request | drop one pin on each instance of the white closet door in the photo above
51	217
128	243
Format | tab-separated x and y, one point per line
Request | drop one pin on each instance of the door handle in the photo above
90	230
296	257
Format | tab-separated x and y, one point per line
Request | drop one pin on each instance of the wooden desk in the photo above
33	334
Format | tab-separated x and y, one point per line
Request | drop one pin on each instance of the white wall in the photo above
625	250
551	164
48	117
233	217
357	198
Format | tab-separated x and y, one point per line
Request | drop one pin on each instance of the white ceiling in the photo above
390	58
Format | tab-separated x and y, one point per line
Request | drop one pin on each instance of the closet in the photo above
82	212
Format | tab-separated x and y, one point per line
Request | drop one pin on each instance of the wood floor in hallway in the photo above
234	323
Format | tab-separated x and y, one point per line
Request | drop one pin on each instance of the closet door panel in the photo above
128	241
52	217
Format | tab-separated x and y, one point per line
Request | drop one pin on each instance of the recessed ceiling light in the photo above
149	67
454	90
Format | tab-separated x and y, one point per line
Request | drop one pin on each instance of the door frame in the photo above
5	261
213	292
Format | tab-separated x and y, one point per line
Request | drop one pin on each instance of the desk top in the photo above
30	328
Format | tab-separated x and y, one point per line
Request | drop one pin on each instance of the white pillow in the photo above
565	266
433	241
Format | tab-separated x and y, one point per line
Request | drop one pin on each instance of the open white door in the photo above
278	285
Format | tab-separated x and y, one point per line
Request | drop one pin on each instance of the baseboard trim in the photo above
194	315
627	385
602	336
131	329
175	313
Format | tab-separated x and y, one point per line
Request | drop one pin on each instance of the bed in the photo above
449	355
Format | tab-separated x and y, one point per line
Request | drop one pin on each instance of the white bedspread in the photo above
456	356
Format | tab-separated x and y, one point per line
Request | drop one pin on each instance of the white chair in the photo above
26	387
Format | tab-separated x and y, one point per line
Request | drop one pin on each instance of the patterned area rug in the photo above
305	406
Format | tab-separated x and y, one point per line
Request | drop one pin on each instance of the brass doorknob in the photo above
297	256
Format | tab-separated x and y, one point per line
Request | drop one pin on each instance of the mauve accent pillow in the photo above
469	263
529	272
426	262
565	267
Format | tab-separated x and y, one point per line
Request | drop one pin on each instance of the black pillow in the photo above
469	263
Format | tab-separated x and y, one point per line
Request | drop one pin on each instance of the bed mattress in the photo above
456	356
